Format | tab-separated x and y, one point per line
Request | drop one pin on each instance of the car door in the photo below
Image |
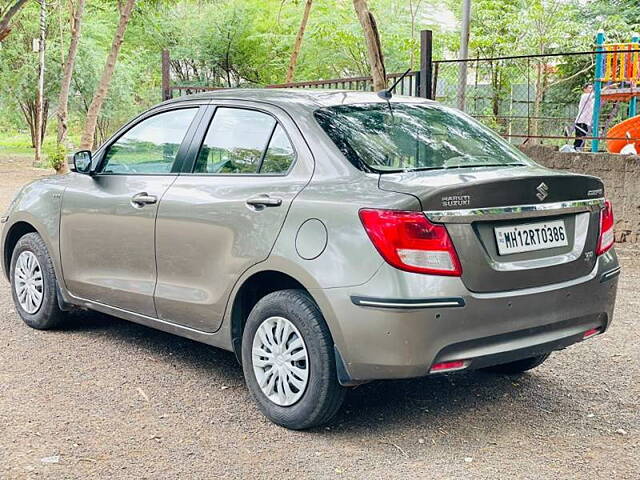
223	215
108	218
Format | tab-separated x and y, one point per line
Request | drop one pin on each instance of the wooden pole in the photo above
426	64
166	75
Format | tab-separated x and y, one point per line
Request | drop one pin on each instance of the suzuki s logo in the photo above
543	191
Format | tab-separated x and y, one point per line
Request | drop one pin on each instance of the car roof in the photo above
294	97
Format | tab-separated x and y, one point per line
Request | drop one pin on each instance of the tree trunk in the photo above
65	86
29	110
7	16
374	50
86	141
298	43
537	102
39	137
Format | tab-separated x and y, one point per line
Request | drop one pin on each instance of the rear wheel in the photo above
519	366
288	361
33	283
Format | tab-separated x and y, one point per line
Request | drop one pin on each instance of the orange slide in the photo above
630	128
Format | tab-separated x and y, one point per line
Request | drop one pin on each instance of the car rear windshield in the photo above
384	138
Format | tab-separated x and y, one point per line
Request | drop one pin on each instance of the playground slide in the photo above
630	126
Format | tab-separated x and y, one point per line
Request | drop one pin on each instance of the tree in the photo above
374	49
6	14
40	128
88	134
549	24
65	85
298	42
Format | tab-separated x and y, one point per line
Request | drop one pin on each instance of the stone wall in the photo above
621	177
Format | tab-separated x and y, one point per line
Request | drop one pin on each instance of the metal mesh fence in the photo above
522	98
525	98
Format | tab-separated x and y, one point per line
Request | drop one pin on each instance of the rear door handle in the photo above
143	198
262	201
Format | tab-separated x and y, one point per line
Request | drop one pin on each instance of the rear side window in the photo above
279	155
151	146
242	141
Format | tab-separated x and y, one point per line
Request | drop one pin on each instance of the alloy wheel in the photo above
280	361
28	282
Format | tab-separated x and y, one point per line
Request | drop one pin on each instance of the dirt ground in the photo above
105	398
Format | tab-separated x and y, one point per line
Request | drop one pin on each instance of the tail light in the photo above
408	241
605	242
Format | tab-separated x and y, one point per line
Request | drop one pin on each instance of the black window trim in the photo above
266	147
178	162
209	120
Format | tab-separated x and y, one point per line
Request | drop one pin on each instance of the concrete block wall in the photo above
621	177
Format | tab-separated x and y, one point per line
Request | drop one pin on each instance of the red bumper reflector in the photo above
448	366
590	333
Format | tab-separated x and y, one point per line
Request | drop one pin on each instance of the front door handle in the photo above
143	198
262	201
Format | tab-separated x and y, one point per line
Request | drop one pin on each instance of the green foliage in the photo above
231	43
56	155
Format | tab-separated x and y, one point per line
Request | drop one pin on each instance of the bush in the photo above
56	155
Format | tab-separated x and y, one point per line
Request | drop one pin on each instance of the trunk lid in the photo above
473	202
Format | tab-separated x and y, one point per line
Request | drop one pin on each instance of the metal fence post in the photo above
166	77
633	103
426	64
597	89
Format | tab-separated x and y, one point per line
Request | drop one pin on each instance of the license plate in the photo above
530	237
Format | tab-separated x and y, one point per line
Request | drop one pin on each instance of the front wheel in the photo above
33	283
288	361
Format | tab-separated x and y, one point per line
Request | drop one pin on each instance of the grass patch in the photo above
18	144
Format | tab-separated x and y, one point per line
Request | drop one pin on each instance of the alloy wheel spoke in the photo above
268	330
286	333
296	344
278	333
269	387
296	382
264	339
37	295
261	352
302	374
297	356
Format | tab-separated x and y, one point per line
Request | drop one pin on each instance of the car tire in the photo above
32	269
295	323
519	366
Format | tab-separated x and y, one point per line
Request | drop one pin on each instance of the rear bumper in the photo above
407	322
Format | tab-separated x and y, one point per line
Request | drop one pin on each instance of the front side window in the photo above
380	137
151	146
244	142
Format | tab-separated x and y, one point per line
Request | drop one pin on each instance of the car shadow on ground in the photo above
437	402
184	352
449	402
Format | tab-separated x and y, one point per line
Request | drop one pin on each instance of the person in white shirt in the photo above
585	116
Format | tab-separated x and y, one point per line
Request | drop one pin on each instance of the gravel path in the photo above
105	398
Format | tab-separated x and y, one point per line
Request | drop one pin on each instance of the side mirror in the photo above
82	161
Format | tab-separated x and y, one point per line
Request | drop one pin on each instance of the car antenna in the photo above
388	93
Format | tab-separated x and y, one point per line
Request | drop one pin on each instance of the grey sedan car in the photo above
328	238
